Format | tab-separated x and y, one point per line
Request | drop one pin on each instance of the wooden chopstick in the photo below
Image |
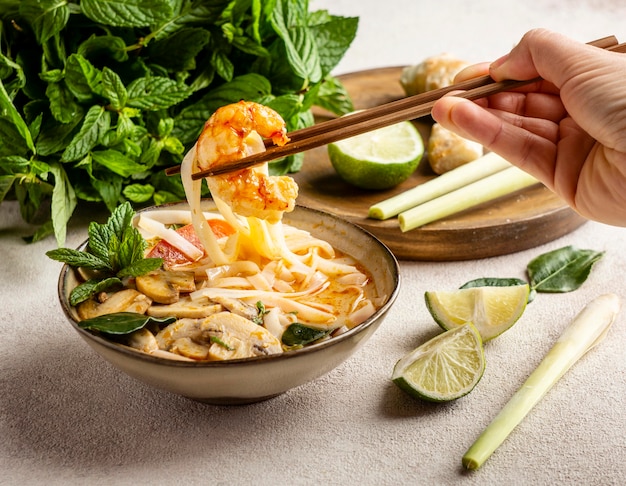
408	108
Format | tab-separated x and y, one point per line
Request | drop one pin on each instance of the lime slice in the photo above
444	368
492	310
379	159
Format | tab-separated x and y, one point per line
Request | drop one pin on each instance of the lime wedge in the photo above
492	310
379	159
444	368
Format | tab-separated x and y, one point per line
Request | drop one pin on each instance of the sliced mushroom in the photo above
238	307
143	340
221	336
185	308
164	286
127	300
235	337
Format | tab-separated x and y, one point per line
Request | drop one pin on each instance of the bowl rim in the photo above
286	355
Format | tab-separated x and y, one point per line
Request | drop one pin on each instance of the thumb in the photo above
544	53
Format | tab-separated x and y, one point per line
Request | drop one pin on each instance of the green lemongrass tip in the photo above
492	187
459	177
586	330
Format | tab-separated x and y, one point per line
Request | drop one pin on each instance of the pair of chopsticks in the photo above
408	108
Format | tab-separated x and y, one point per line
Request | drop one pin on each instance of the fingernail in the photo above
498	62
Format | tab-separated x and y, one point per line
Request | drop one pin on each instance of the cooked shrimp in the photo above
233	132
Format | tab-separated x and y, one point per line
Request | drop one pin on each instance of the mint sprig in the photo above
115	250
97	98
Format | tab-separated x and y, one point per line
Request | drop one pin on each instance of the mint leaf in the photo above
46	17
141	267
156	93
178	51
82	77
127	13
86	289
95	124
333	38
104	45
113	89
117	162
62	105
63	202
12	116
76	258
138	193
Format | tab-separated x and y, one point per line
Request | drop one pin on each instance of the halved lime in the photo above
492	310
444	368
379	159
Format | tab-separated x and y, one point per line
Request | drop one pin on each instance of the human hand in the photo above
569	130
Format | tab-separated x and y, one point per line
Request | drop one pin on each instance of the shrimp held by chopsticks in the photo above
231	133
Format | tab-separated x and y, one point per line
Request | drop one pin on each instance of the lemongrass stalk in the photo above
465	174
587	329
492	187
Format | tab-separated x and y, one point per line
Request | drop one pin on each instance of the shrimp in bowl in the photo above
241	278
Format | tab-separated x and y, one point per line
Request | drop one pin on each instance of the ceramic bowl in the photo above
254	379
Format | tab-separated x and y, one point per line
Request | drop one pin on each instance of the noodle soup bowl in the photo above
250	380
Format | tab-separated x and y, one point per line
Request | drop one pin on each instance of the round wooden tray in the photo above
529	218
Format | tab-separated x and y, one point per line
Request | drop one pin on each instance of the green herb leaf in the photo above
96	123
117	162
561	270
121	323
87	289
82	77
299	335
63	202
127	13
156	93
46	17
76	258
113	88
10	113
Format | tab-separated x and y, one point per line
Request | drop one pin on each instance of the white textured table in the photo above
66	417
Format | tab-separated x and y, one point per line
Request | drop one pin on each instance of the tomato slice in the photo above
172	256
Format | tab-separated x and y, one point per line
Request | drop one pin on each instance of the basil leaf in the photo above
127	13
299	335
561	270
121	323
89	288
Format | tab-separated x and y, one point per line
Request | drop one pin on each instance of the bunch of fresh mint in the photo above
97	98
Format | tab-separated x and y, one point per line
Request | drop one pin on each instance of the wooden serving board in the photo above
529	218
